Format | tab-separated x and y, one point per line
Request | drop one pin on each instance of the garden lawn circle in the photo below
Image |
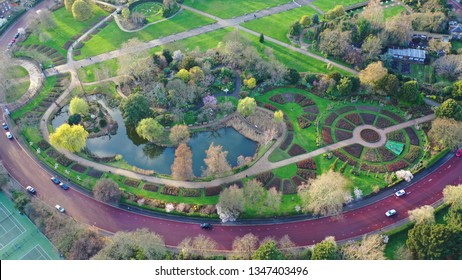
151	10
370	135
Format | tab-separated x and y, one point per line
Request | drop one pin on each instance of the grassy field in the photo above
229	9
66	28
152	11
326	5
393	11
111	37
19	82
280	23
99	71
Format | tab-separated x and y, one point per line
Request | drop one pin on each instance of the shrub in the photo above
326	136
303	123
307	102
132	183
150	187
169	190
102	123
393	116
43	145
288	187
278	98
385	154
299	98
370	155
287	141
310	117
397	166
382	122
270	107
79	168
192	192
414	139
264	178
306	174
330	119
397	136
297	181
64	161
213	191
276	182
345	109
413	154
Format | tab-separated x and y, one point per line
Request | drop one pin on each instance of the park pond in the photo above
142	154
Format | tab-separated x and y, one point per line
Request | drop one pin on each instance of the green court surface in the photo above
19	238
394	147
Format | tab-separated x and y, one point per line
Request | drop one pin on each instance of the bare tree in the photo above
87	245
446	132
107	190
453	196
179	134
374	13
325	195
245	246
182	166
216	161
269	135
449	66
4	176
288	248
230	203
254	193
424	214
198	246
138	64
273	200
371	247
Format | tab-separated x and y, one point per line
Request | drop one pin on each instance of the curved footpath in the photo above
366	219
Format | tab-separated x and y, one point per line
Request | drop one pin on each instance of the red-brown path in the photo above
112	219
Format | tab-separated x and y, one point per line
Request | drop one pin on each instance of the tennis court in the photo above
19	238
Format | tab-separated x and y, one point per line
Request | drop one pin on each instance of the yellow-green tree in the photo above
278	116
246	106
81	10
68	4
373	73
72	138
149	129
305	21
250	83
184	75
78	106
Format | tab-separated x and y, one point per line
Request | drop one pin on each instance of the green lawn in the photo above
229	9
393	11
152	11
111	37
279	23
286	172
99	71
66	28
326	5
16	90
15	72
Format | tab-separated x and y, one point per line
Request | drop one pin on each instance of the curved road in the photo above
355	223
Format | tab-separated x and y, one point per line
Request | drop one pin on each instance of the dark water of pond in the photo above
140	153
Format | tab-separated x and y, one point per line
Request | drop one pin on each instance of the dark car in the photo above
206	226
55	180
16	35
64	186
459	153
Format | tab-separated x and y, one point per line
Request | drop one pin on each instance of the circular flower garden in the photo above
370	135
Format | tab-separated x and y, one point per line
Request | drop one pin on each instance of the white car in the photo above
390	213
60	208
9	135
30	189
400	193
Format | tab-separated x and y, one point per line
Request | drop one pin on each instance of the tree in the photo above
374	13
150	129
182	165
135	245
435	45
250	83
424	214
216	161
453	196
254	194
246	106
106	190
4	176
244	247
262	38
373	73
179	134
268	250
334	42
326	250
449	66
230	203
138	63
295	29
337	11
88	244
78	106
68	4
372	47
198	246
81	10
74	119
184	75
388	85
287	247
135	108
325	195
292	76
273	200
410	91
345	86
72	138
278	116
457	89
371	247
196	74
126	13
446	132
397	31
315	19
430	241
305	21
449	109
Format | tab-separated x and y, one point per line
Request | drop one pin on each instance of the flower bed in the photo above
311	109
191	192
393	116
413	154
368	118
151	187
343	124
342	135
345	158
307	164
95	173
264	178
64	161
397	166
354	118
397	136
326	136
385	154
43	145
307	102
306	174
330	119
79	168
270	107
296	150
276	183
297	181
287	141
213	191
345	109
299	98
354	150
310	117
278	99
239	184
53	153
303	123
370	135
412	136
288	187
132	183
290	126
169	190
373	168
383	122
370	155
368	108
